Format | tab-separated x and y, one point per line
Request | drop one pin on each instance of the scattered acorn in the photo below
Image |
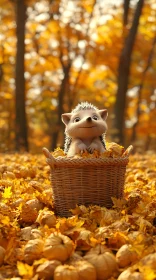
126	255
33	250
46	270
46	217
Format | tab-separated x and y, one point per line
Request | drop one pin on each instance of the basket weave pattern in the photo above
85	181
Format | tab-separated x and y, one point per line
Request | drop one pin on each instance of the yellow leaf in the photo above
24	269
7	193
118	203
5	220
38	262
148	272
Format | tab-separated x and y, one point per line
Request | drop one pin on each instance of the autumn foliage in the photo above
94	243
72	51
53	55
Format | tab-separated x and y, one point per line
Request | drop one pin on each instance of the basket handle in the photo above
50	159
128	151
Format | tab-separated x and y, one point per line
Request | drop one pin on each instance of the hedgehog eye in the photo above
77	119
95	118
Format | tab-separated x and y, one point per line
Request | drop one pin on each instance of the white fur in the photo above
85	132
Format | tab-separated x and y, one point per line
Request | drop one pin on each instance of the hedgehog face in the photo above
85	123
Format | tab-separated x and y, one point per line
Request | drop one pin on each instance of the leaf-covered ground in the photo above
36	244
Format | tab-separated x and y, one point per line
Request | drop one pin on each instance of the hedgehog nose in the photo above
89	119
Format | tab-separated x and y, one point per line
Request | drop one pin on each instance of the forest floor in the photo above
28	225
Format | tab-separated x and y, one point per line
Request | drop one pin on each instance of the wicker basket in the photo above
85	181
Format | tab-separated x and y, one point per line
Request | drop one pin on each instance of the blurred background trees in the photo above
56	53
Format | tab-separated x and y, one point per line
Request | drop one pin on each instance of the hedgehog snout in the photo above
89	119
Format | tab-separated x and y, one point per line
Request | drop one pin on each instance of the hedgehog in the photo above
85	129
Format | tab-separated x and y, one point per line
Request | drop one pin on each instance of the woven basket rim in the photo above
60	161
71	162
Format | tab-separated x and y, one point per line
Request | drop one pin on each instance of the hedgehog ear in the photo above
103	113
66	118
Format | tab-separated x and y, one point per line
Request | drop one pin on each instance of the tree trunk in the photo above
149	61
123	76
126	11
63	89
20	120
